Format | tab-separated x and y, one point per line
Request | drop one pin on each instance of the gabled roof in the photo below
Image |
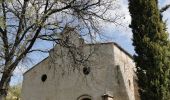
113	43
35	65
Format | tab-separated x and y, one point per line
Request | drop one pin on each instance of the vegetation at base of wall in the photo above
14	92
150	39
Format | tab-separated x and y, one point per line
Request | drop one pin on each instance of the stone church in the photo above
101	71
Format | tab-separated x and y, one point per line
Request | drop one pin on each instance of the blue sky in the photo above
119	34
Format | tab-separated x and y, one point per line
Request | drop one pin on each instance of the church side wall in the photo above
126	66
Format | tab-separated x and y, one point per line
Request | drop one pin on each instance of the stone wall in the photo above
127	67
111	72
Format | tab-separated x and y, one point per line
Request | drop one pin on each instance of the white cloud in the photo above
123	23
121	34
124	30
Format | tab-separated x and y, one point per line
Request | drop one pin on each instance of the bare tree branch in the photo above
38	50
163	9
27	21
20	28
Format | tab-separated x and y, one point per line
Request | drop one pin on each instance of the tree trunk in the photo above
4	85
3	93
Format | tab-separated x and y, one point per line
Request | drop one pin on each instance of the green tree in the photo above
151	43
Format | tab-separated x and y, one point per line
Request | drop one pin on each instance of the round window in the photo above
86	70
43	77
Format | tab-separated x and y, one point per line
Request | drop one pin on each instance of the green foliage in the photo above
151	43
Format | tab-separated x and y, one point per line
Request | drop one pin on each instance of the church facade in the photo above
107	74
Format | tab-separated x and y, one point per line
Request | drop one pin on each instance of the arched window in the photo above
84	97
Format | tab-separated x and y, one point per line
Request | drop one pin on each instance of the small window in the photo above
129	83
43	77
86	70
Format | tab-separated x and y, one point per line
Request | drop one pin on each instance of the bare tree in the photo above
23	22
